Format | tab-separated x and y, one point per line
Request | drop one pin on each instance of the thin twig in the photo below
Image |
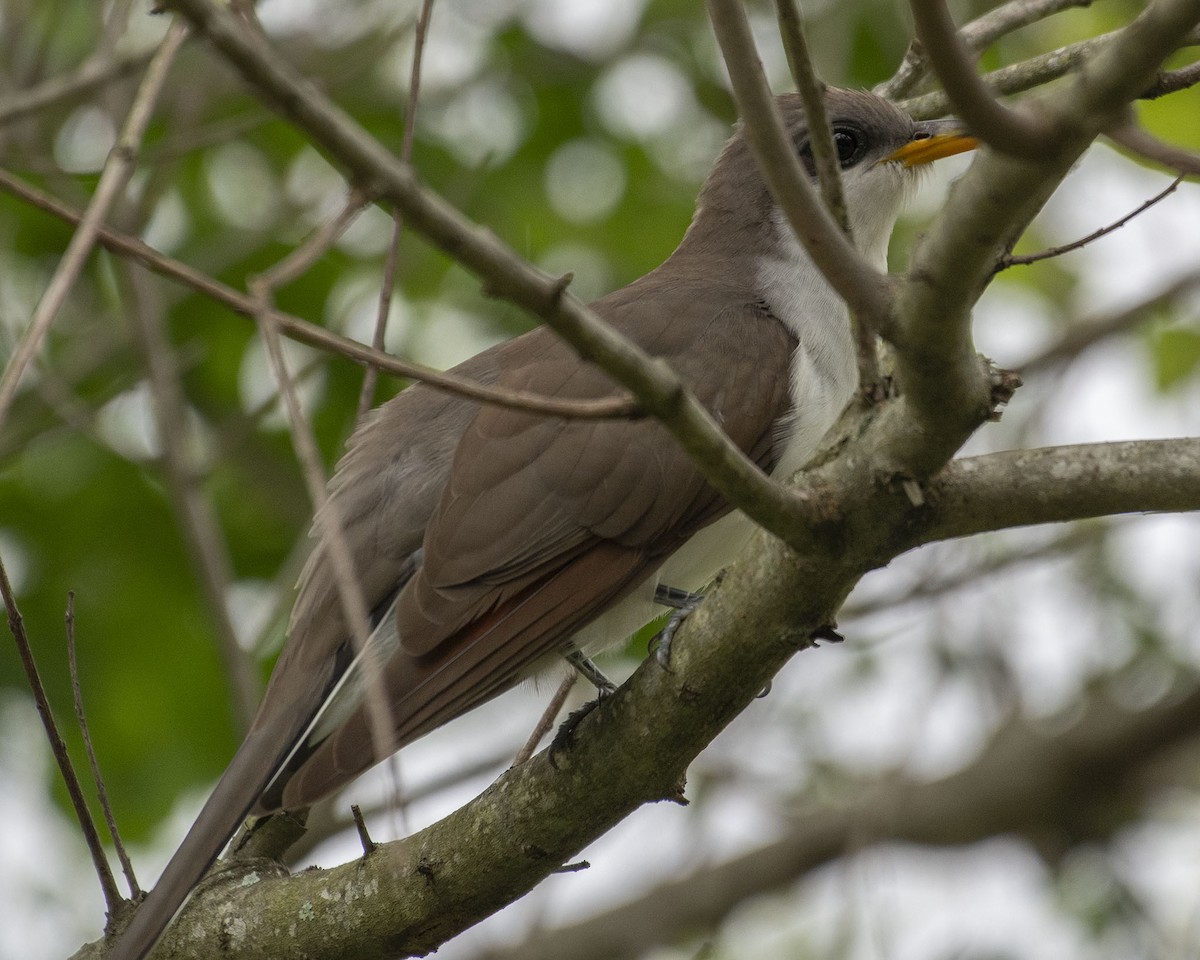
935	586
1012	131
315	245
1172	81
829	174
294	328
101	791
546	720
16	624
117	170
387	285
863	288
364	837
1139	141
1010	260
812	92
332	531
1035	72
79	84
207	552
977	35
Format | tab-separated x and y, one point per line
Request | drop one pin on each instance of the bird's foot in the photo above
685	604
564	739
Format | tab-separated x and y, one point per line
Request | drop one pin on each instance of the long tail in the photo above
230	802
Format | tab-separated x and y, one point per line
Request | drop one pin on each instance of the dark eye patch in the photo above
848	141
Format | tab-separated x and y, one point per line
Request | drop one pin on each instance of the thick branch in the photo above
1055	484
411	895
943	386
1053	787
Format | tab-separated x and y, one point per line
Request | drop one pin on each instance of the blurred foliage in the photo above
227	187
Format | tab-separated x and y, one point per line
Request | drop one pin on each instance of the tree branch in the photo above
943	385
1055	788
309	333
977	35
118	168
413	894
1046	67
1056	484
1013	131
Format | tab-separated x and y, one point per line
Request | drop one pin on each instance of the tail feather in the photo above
228	805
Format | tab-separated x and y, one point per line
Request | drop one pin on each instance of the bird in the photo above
487	540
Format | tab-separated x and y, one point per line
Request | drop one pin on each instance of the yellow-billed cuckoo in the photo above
487	539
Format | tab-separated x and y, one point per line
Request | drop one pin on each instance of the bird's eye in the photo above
848	143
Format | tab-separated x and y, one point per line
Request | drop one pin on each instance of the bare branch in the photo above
304	332
1080	336
943	385
1013	131
812	92
1144	144
1010	260
976	35
1172	81
117	170
829	174
1040	70
97	778
81	83
546	721
1048	784
1056	484
864	289
387	285
315	245
58	746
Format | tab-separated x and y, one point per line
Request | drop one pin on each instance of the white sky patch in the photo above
591	269
311	181
592	29
244	189
84	140
447	335
480	125
52	901
642	96
250	604
126	423
584	180
256	381
169	225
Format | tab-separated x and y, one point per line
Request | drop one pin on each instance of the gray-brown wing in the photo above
544	523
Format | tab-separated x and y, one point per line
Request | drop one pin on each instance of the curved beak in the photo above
933	140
